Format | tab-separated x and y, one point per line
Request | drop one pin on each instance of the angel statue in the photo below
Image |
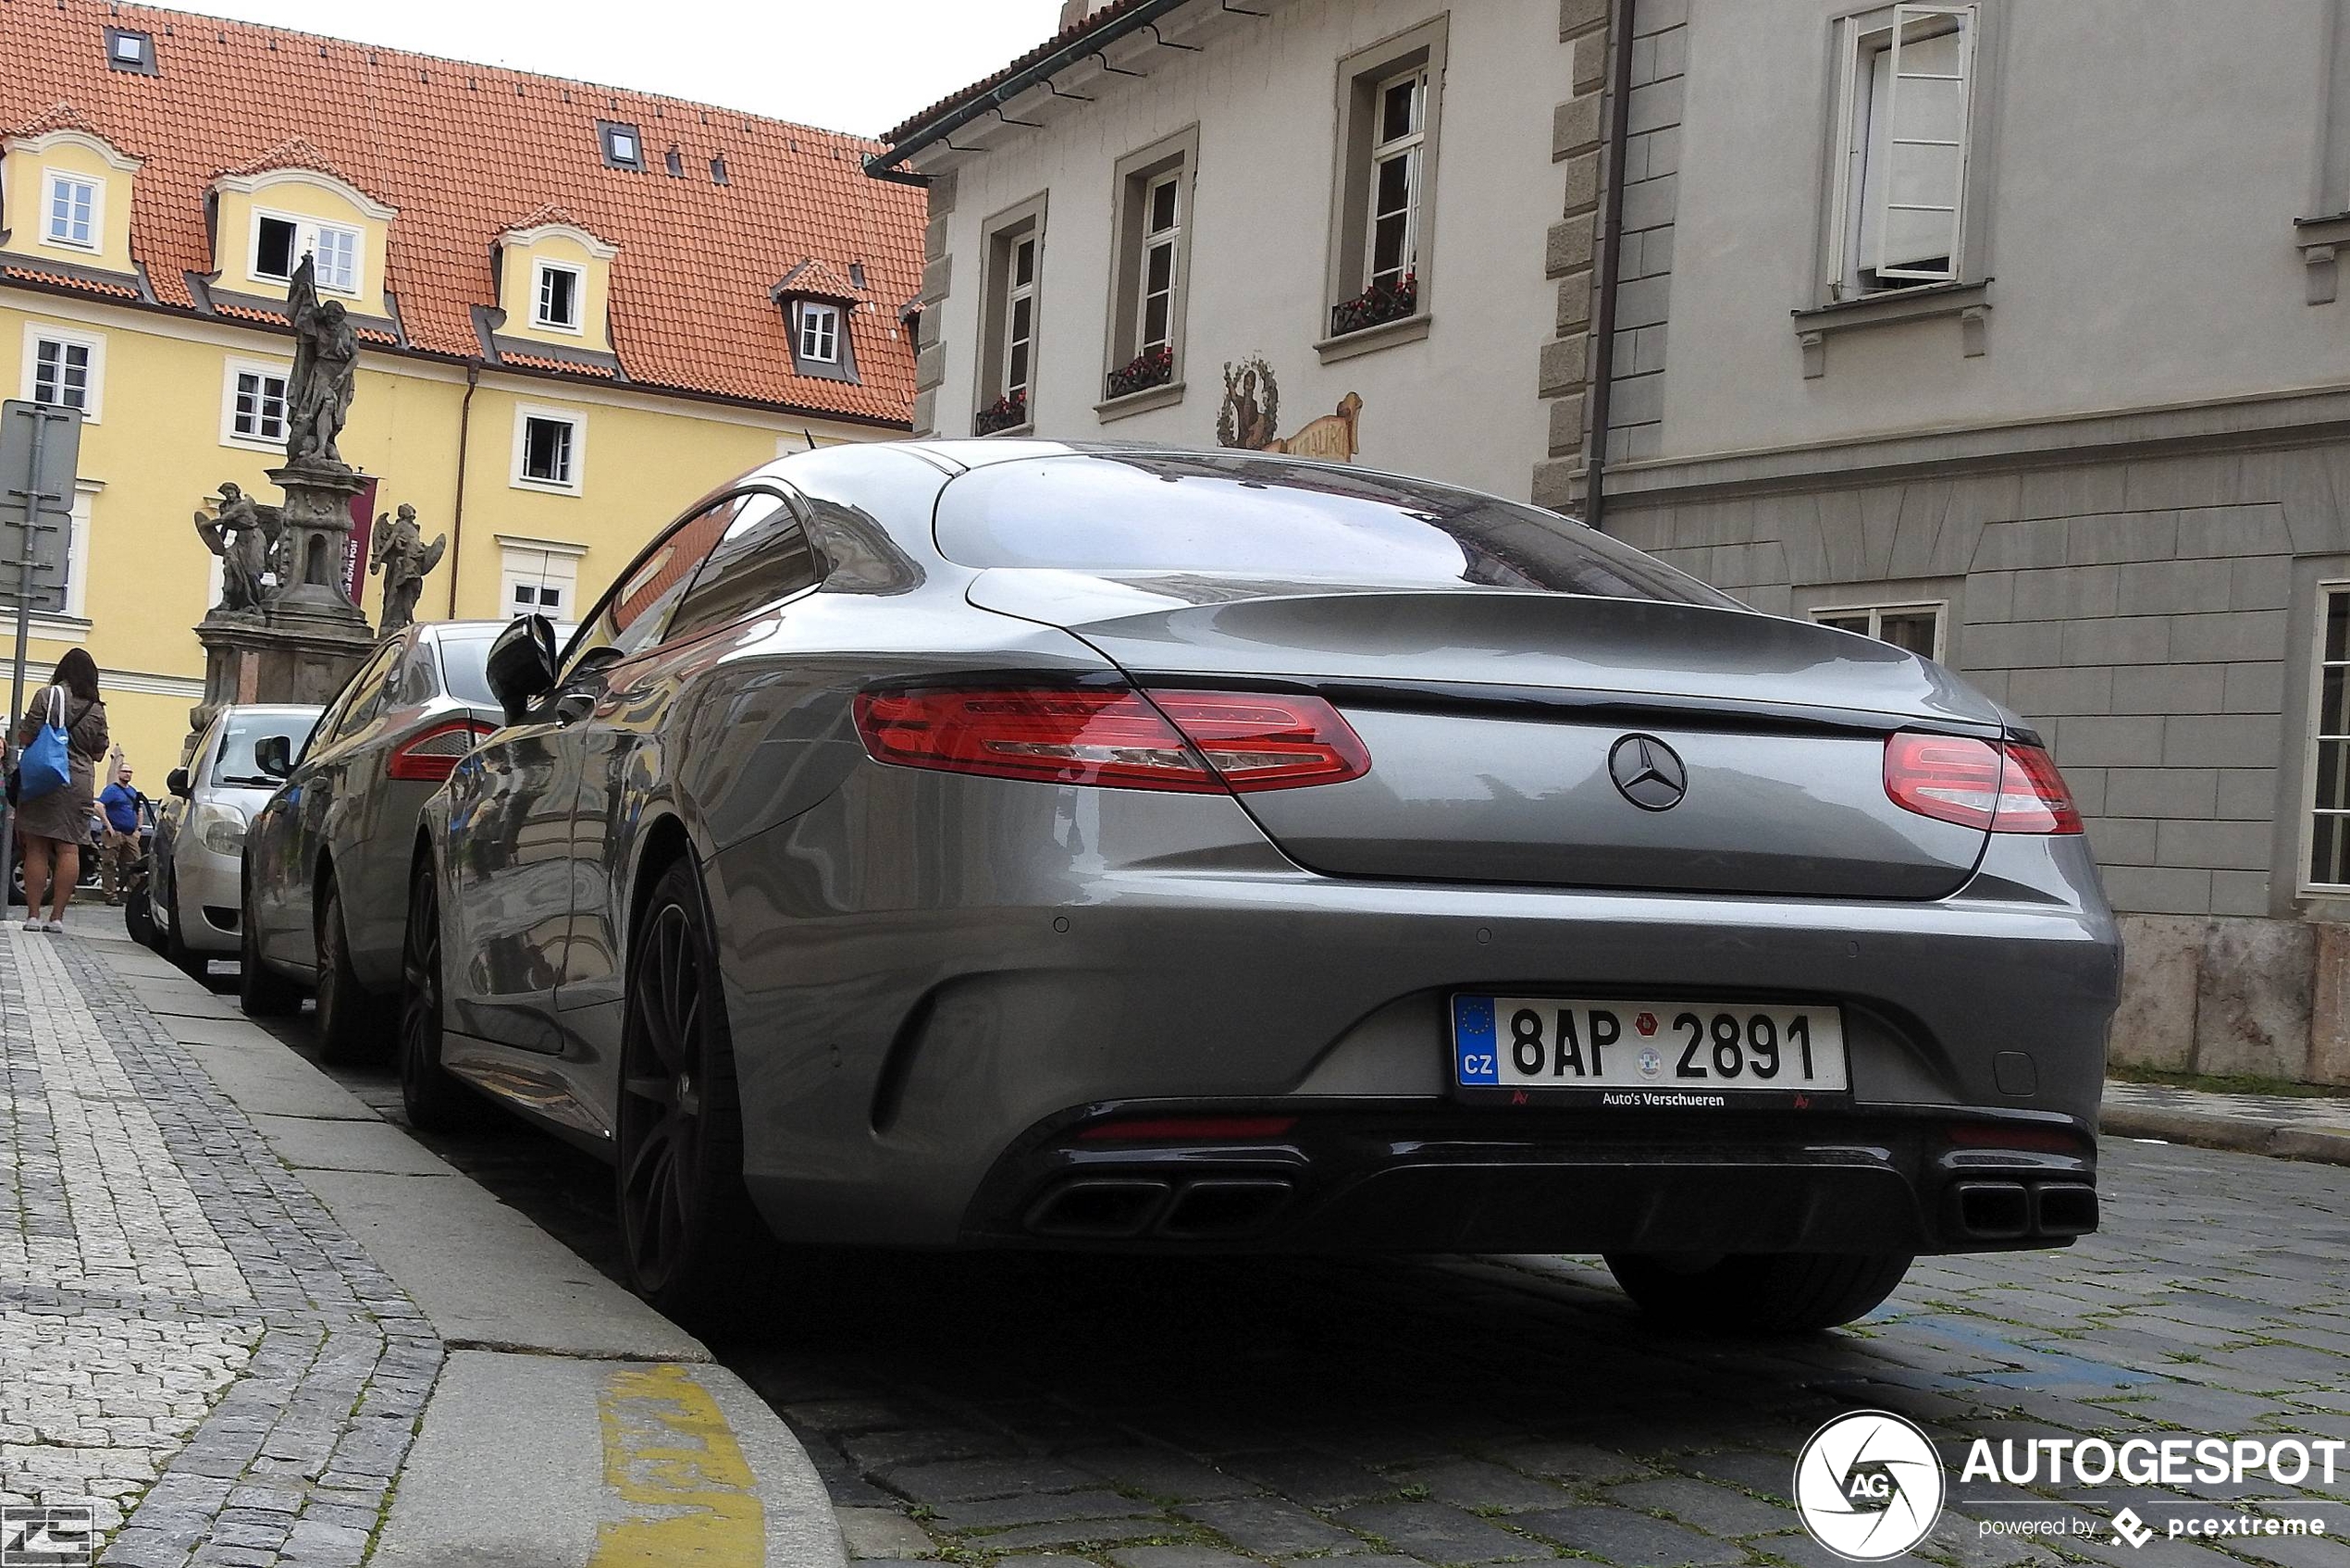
398	552
326	357
244	535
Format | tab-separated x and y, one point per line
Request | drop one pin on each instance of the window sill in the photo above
254	443
1892	307
46	627
1009	432
1370	340
1161	396
2322	241
544	487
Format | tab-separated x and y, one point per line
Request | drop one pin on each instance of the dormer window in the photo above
71	213
130	51
279	242
558	297
623	147
819	333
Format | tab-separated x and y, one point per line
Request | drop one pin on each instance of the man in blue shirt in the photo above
121	804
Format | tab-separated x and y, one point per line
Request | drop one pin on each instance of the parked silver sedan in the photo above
200	833
324	888
1012	843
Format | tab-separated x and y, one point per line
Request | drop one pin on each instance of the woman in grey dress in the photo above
53	827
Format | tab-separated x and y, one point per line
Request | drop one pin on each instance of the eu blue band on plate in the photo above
1475	1051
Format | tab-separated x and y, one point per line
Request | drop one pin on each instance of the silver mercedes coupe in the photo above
1006	843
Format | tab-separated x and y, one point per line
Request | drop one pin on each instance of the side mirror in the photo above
274	755
521	667
177	783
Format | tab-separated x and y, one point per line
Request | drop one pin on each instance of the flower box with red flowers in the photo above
1152	367
1008	412
1374	306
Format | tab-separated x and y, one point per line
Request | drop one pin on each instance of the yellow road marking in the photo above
671	1457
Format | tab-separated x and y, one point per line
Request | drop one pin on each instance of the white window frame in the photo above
1015	293
2308	808
230	435
577	420
36	332
539	563
818	326
1411	147
1855	130
1169	239
540	270
305	242
1938	608
56	177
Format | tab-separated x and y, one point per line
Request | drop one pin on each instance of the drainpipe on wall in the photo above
1611	257
457	518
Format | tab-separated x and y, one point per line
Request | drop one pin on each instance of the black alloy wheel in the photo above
350	1024
262	992
434	1099
688	1226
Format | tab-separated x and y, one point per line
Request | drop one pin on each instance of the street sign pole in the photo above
35	498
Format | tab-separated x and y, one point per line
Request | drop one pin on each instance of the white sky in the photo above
859	65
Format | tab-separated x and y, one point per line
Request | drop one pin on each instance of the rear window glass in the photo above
235	765
465	669
1246	516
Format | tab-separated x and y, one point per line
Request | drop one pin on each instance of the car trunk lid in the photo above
1557	739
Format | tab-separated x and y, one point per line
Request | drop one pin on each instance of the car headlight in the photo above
219	828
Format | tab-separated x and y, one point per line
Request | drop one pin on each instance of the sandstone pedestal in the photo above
250	660
310	594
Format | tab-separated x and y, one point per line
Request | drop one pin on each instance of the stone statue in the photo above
398	552
245	535
326	356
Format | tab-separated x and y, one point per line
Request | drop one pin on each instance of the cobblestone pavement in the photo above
1390	1414
186	1337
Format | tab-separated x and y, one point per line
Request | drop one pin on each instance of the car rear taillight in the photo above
1170	740
431	757
2009	787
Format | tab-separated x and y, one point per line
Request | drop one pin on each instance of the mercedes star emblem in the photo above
1648	772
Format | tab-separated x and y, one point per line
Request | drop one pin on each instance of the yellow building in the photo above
579	308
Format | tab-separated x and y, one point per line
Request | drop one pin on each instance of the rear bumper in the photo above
914	1011
1410	1178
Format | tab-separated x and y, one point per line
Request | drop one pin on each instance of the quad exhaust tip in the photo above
2010	1211
1209	1209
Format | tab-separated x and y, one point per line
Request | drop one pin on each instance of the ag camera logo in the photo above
1868	1486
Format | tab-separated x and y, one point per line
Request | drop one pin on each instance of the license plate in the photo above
1646	1052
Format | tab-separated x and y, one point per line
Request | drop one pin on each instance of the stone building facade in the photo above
1981	326
2074	409
1268	119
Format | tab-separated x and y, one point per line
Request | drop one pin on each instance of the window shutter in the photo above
1915	183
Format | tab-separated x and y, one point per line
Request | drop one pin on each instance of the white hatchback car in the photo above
200	833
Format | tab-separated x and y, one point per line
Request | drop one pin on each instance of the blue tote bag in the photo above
45	766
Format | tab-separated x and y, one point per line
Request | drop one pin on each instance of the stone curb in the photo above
2276	1139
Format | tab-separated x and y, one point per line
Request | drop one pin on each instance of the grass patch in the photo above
2225	1083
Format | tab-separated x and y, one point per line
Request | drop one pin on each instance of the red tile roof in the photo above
61	115
43	277
812	279
459	150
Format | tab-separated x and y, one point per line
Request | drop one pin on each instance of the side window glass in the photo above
634	614
358	702
416	684
763	556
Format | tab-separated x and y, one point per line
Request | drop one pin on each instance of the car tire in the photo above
351	1023
139	915
433	1098
260	991
1761	1293
689	1229
187	960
